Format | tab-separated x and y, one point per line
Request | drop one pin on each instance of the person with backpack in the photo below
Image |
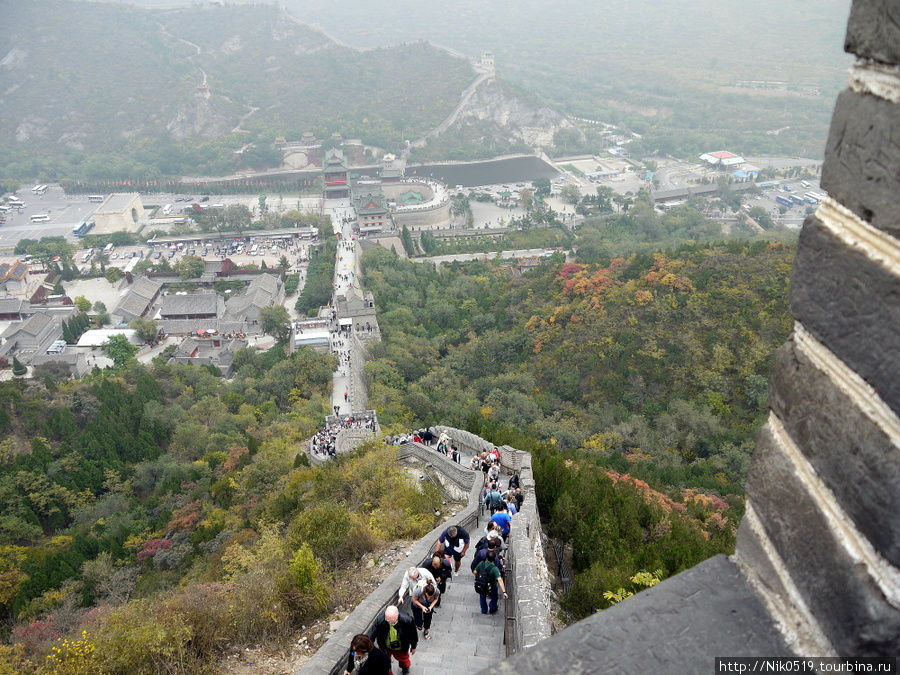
396	634
493	544
424	600
487	578
366	658
513	480
492	499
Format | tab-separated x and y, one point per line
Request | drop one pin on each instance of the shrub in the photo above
307	592
325	528
139	638
73	657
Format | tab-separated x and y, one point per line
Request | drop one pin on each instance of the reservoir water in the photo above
519	169
493	172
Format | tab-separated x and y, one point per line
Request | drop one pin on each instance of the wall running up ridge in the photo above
817	566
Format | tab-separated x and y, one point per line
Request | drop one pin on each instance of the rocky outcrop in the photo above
510	116
198	118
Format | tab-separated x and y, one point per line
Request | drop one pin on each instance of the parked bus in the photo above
811	198
797	200
784	201
804	184
96	199
40	218
82	228
39	189
15	201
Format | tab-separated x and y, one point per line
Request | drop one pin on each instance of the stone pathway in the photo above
345	262
463	639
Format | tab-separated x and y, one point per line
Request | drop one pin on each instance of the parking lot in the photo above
794	215
64	212
250	250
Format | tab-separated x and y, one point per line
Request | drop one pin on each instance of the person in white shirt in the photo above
415	576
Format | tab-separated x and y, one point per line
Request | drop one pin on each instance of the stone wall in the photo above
816	571
467	442
824	489
529	585
424	218
359	393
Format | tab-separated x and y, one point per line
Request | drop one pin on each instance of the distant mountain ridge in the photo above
97	90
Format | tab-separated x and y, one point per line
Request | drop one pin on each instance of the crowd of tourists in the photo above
323	443
395	634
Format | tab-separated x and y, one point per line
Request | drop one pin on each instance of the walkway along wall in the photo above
527	578
331	658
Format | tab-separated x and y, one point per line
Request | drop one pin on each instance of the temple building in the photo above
334	170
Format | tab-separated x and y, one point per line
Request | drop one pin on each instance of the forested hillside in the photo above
98	90
155	518
638	381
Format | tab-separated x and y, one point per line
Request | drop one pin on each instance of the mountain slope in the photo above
107	90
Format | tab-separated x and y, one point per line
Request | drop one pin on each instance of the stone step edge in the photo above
845	379
784	602
884	576
857	233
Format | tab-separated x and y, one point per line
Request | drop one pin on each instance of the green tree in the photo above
761	216
113	274
82	303
408	244
236	218
276	322
428	241
189	267
18	368
120	350
541	187
527	198
604	198
146	329
571	194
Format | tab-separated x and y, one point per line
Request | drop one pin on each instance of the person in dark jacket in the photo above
482	554
366	658
441	571
396	634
